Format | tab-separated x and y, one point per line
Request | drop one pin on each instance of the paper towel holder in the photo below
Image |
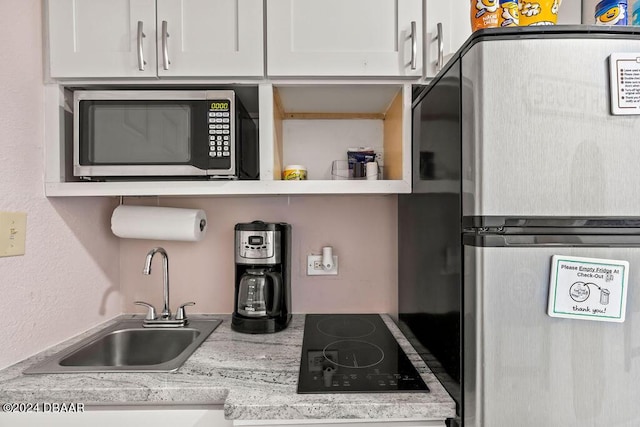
203	222
158	223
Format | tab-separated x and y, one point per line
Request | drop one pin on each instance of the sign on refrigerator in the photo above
588	288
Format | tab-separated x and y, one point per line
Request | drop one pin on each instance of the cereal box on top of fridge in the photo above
509	14
484	14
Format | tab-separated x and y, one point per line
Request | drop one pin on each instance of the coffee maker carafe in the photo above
262	302
256	298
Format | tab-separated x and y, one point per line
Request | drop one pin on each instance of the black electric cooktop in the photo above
345	353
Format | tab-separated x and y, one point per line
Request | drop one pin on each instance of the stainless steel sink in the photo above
128	347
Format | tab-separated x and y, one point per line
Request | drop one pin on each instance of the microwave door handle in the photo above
165	48
141	35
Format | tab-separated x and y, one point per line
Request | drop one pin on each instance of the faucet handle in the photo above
151	312
181	313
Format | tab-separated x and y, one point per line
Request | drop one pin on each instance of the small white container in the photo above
372	170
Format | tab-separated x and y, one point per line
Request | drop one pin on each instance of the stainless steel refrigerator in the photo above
517	158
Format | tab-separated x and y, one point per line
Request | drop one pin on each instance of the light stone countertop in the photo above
253	376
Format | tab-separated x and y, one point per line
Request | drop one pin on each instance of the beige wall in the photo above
74	269
361	229
68	279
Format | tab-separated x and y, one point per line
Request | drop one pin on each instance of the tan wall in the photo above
361	229
68	279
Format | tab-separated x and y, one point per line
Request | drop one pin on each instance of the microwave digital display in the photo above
219	106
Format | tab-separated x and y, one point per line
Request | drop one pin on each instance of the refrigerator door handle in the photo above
567	222
550	240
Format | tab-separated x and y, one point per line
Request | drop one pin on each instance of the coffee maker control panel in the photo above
257	247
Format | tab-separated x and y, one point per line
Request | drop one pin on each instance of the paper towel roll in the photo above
150	222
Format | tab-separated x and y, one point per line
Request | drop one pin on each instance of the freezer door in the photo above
538	138
524	368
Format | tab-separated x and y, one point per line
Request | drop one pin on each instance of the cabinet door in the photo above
210	38
344	37
102	38
454	17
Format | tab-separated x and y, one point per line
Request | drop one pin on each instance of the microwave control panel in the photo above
221	146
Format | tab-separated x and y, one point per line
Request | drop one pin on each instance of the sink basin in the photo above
133	347
128	347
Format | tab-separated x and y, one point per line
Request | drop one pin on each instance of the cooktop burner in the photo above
342	326
344	353
353	354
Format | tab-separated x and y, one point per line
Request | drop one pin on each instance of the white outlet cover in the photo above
312	259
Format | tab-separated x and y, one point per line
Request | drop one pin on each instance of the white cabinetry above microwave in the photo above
155	38
344	38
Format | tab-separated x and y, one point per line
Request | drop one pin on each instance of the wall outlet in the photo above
315	268
13	231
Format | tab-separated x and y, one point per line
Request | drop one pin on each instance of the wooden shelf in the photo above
379	116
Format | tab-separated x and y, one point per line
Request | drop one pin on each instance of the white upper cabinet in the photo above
205	37
448	25
344	38
102	38
145	38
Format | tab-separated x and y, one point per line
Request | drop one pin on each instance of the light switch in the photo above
13	233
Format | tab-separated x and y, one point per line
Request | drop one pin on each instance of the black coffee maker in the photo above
262	302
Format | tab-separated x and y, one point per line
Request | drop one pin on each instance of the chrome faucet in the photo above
166	312
165	320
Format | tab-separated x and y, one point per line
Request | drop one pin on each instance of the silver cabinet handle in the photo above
440	62
165	48
141	61
414	45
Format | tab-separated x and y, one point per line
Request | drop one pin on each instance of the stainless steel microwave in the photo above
163	133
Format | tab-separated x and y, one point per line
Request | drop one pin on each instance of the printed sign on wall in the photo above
588	288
